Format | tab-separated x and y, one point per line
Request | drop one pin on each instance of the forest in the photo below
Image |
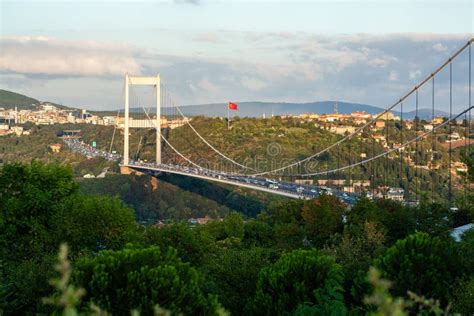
295	257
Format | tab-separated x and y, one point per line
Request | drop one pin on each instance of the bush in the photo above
93	223
300	277
120	281
422	264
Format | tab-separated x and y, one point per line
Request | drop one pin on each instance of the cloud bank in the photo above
51	57
220	66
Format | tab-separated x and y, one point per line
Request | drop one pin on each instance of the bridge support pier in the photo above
150	81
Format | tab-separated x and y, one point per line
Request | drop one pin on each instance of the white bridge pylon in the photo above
142	81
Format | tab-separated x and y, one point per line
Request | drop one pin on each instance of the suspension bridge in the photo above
405	142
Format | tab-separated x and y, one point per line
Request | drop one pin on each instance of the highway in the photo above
283	188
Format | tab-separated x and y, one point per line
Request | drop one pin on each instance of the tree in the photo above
29	195
231	227
364	210
93	223
140	278
323	218
285	218
300	277
258	233
355	253
234	275
433	219
422	264
399	220
192	244
284	212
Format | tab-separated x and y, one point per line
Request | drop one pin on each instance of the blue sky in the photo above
76	52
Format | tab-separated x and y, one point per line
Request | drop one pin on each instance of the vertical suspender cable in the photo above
417	119
469	118
400	149
450	131
350	163
433	138
386	157
374	170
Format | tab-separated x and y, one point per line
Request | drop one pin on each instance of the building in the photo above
437	120
379	138
396	194
55	148
389	116
428	127
379	124
17	130
459	166
342	130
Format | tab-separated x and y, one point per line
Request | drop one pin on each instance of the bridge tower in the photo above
143	81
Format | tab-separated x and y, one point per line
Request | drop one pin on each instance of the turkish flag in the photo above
233	106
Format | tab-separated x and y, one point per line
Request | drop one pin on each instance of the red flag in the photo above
233	106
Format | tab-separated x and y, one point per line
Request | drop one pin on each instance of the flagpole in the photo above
228	116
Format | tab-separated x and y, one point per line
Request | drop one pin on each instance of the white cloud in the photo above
439	47
414	74
52	57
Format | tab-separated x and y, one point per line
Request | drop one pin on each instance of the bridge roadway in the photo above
287	189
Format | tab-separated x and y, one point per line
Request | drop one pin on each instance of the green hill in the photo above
10	99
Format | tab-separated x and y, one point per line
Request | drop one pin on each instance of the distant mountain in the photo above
9	99
258	109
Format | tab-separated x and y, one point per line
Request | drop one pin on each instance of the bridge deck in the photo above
222	180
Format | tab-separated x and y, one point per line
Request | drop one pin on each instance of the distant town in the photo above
12	120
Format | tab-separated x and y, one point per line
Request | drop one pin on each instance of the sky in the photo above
77	52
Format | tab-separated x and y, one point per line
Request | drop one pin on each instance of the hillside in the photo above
9	99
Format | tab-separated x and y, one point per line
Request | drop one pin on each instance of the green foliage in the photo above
237	259
364	210
397	218
9	100
422	264
233	274
92	223
23	285
355	252
381	298
153	199
463	296
258	233
433	219
140	278
232	226
284	212
67	297
247	202
300	277
192	244
466	252
29	195
323	218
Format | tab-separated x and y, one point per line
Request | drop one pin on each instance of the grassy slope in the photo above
10	99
